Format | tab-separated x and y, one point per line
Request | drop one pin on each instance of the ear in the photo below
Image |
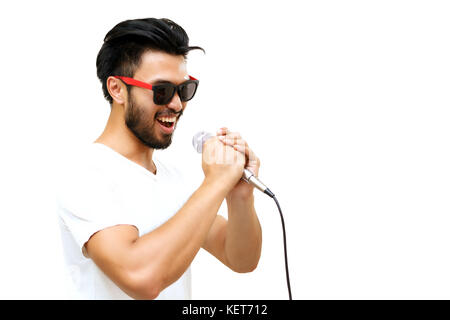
117	90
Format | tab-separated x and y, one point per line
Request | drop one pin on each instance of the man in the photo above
128	229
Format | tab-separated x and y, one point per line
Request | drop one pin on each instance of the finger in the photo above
230	140
243	147
232	136
251	155
252	162
248	153
240	148
233	142
240	145
222	131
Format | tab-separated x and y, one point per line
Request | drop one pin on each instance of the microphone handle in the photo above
249	177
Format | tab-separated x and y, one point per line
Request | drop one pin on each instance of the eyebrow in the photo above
162	81
155	81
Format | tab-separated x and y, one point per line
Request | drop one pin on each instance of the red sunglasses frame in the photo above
137	83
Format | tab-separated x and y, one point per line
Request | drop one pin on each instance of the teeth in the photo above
167	119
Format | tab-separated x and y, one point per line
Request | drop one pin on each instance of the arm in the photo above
144	266
237	242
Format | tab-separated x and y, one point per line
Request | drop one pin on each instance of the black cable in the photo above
268	192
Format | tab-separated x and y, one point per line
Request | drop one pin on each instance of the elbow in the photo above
148	293
143	286
245	268
245	264
252	267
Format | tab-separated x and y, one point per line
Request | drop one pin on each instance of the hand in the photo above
242	190
222	163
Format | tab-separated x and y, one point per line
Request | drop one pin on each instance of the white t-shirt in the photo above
103	189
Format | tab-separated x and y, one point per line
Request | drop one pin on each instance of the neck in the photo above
118	137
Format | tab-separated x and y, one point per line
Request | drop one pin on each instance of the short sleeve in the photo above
87	204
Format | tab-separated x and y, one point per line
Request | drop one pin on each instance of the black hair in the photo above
123	46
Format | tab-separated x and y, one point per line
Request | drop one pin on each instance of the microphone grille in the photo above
199	139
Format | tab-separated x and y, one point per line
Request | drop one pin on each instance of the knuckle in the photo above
234	134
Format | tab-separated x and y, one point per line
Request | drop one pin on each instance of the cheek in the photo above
144	98
144	106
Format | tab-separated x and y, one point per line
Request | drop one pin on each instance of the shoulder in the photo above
80	169
83	158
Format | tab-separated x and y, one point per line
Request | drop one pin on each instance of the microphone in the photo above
200	138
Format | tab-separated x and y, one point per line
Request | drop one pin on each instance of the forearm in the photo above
168	251
244	237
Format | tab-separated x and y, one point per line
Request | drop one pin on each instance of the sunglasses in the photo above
164	92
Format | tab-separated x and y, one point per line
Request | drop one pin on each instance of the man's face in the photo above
150	123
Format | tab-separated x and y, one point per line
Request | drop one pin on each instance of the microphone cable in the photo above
272	195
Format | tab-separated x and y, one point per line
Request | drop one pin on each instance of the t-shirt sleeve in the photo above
87	204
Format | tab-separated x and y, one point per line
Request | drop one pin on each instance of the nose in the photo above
175	104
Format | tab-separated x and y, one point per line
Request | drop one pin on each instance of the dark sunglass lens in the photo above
187	91
162	94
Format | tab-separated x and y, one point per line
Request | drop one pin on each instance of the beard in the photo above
143	127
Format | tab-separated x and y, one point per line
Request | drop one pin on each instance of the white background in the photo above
346	103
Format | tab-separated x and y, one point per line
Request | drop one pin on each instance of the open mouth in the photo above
167	122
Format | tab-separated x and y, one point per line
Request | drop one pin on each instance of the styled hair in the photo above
123	46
